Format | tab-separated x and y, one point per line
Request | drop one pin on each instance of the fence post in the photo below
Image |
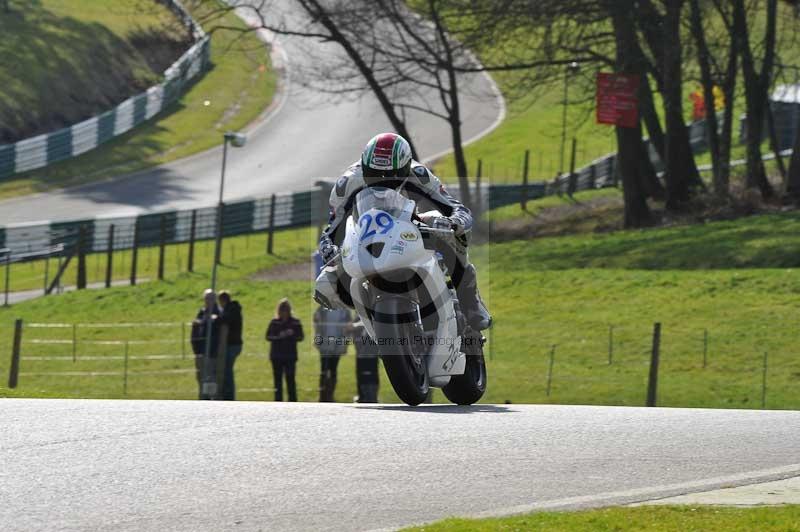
74	342
161	243
134	253
46	273
477	202
110	255
652	382
610	344
764	383
81	284
192	229
270	235
524	198
7	284
572	184
13	373
550	369
125	372
480	169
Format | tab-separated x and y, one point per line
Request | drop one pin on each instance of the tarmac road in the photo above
302	137
162	465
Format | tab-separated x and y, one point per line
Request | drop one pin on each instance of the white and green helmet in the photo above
386	155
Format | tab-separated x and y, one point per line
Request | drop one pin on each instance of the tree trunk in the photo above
756	86
729	90
793	178
773	141
703	58
681	171
629	140
650	116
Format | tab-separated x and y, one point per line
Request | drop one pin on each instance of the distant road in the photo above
161	465
301	139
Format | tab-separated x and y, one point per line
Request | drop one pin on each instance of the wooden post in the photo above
610	344
81	284
550	369
13	373
134	252
46	272
192	230
572	184
162	238
271	229
7	284
764	383
480	169
477	201
524	199
110	256
652	383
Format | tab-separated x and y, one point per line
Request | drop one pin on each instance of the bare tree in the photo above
756	84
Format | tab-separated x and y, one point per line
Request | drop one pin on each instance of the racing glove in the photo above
328	251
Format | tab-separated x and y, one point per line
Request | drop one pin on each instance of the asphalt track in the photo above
161	465
302	137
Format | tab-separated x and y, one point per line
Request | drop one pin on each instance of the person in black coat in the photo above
230	316
206	317
283	333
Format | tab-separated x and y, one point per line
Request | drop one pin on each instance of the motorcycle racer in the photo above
386	161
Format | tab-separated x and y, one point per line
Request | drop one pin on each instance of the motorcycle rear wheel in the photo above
468	388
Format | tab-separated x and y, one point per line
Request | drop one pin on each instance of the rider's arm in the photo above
447	204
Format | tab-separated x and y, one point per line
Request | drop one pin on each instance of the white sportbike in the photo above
402	292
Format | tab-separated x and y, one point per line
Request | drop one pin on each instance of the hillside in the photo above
74	59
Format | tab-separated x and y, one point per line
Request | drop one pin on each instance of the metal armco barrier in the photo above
246	216
42	150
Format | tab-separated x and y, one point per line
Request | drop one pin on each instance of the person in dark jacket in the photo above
230	316
206	317
367	357
283	333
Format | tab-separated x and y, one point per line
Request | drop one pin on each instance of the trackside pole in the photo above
652	382
550	369
13	373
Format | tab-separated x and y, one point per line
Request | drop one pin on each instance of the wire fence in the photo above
610	365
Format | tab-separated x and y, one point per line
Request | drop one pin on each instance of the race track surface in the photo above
303	137
162	465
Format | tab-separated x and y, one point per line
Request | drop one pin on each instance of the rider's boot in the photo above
475	311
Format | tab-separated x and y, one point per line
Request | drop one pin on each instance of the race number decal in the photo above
384	222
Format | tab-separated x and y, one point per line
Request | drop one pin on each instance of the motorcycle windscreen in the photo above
384	199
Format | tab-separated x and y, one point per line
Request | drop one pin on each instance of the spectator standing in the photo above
367	356
283	333
206	317
230	316
329	331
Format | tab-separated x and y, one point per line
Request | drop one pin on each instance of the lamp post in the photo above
571	68
209	386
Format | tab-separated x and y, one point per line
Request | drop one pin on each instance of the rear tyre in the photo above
407	370
468	388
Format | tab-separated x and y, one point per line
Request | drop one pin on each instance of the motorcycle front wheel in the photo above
395	329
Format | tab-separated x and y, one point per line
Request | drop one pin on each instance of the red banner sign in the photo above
617	99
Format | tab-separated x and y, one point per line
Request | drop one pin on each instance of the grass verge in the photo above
651	519
235	91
